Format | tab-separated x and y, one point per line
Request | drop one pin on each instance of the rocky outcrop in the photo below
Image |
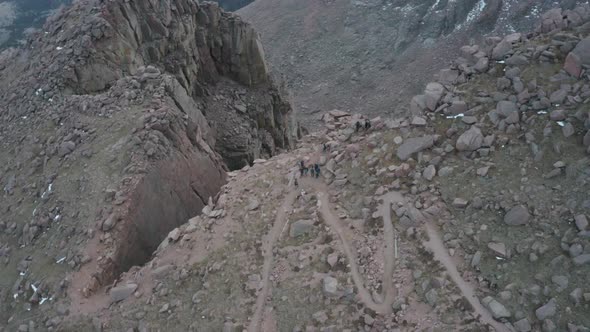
558	19
118	123
87	48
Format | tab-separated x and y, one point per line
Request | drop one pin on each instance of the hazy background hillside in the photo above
371	56
17	17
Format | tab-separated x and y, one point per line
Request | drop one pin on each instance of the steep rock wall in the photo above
118	122
201	45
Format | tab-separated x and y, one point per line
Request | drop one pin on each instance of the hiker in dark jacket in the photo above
312	171
317	170
358	126
367	124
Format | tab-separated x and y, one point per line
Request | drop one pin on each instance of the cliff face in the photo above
200	46
118	122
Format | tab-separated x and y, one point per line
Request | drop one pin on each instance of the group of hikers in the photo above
358	125
314	170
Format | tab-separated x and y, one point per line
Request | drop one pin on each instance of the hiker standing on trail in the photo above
317	170
312	171
358	126
302	168
367	124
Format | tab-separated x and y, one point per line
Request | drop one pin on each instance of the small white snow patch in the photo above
460	115
472	15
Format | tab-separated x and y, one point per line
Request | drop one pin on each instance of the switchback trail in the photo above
440	253
388	247
336	225
267	253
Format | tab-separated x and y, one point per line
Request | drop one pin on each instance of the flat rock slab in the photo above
470	140
547	310
582	259
120	293
498	309
162	271
414	145
518	215
300	227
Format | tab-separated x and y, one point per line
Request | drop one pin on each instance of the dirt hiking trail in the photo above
436	246
267	252
336	224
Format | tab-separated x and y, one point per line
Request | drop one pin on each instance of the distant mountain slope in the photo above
371	55
231	5
17	16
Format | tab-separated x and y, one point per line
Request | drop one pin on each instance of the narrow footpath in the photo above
335	224
440	252
267	252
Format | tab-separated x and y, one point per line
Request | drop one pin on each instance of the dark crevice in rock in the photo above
196	191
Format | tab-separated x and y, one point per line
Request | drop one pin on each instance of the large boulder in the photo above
300	227
501	50
482	65
518	215
578	57
551	20
547	310
433	94
457	107
470	140
573	65
508	110
120	293
418	105
504	47
414	145
448	76
497	309
330	286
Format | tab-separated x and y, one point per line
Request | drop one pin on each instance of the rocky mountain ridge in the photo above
468	214
119	122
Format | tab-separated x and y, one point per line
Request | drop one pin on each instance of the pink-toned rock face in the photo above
573	65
